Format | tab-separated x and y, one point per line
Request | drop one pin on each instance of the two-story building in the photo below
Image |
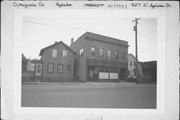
132	68
58	62
100	58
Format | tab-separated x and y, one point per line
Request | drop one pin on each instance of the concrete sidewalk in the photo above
77	83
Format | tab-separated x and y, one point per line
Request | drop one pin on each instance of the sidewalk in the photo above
77	83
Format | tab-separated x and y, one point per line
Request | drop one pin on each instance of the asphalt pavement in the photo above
89	95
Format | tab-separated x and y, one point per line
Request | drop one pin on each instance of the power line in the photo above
52	25
146	36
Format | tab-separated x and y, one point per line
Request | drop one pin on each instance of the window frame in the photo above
64	54
116	55
102	55
58	68
93	50
53	50
81	51
109	56
49	70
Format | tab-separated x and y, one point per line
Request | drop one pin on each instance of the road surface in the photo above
93	95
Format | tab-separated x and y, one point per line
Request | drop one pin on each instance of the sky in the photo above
40	32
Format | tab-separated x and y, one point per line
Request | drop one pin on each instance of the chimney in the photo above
72	40
55	42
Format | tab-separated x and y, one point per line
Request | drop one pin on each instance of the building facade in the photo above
150	71
132	68
31	69
100	58
58	62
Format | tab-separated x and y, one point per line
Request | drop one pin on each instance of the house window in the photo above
101	51
65	54
81	51
134	63
69	67
116	54
93	50
130	63
54	53
60	68
50	67
109	54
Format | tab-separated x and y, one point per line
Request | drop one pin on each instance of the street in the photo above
90	95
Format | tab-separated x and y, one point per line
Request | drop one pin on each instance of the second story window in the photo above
81	51
54	53
124	56
101	51
116	54
93	50
50	67
108	54
65	54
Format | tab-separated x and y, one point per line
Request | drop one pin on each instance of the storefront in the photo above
105	74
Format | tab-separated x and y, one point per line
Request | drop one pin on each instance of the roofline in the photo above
106	36
102	36
60	42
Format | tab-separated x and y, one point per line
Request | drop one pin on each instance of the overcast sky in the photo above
40	32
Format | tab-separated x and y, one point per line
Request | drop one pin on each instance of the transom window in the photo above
54	53
50	67
65	54
60	68
93	50
101	51
81	51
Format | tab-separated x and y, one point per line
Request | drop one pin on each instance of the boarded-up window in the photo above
113	75
103	75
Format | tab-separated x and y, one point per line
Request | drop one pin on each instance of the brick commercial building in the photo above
58	62
100	58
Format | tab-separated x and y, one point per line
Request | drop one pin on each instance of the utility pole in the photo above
136	49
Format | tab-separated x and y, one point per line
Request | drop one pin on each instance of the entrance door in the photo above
92	74
38	71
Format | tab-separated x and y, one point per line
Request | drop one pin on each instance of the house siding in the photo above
66	75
